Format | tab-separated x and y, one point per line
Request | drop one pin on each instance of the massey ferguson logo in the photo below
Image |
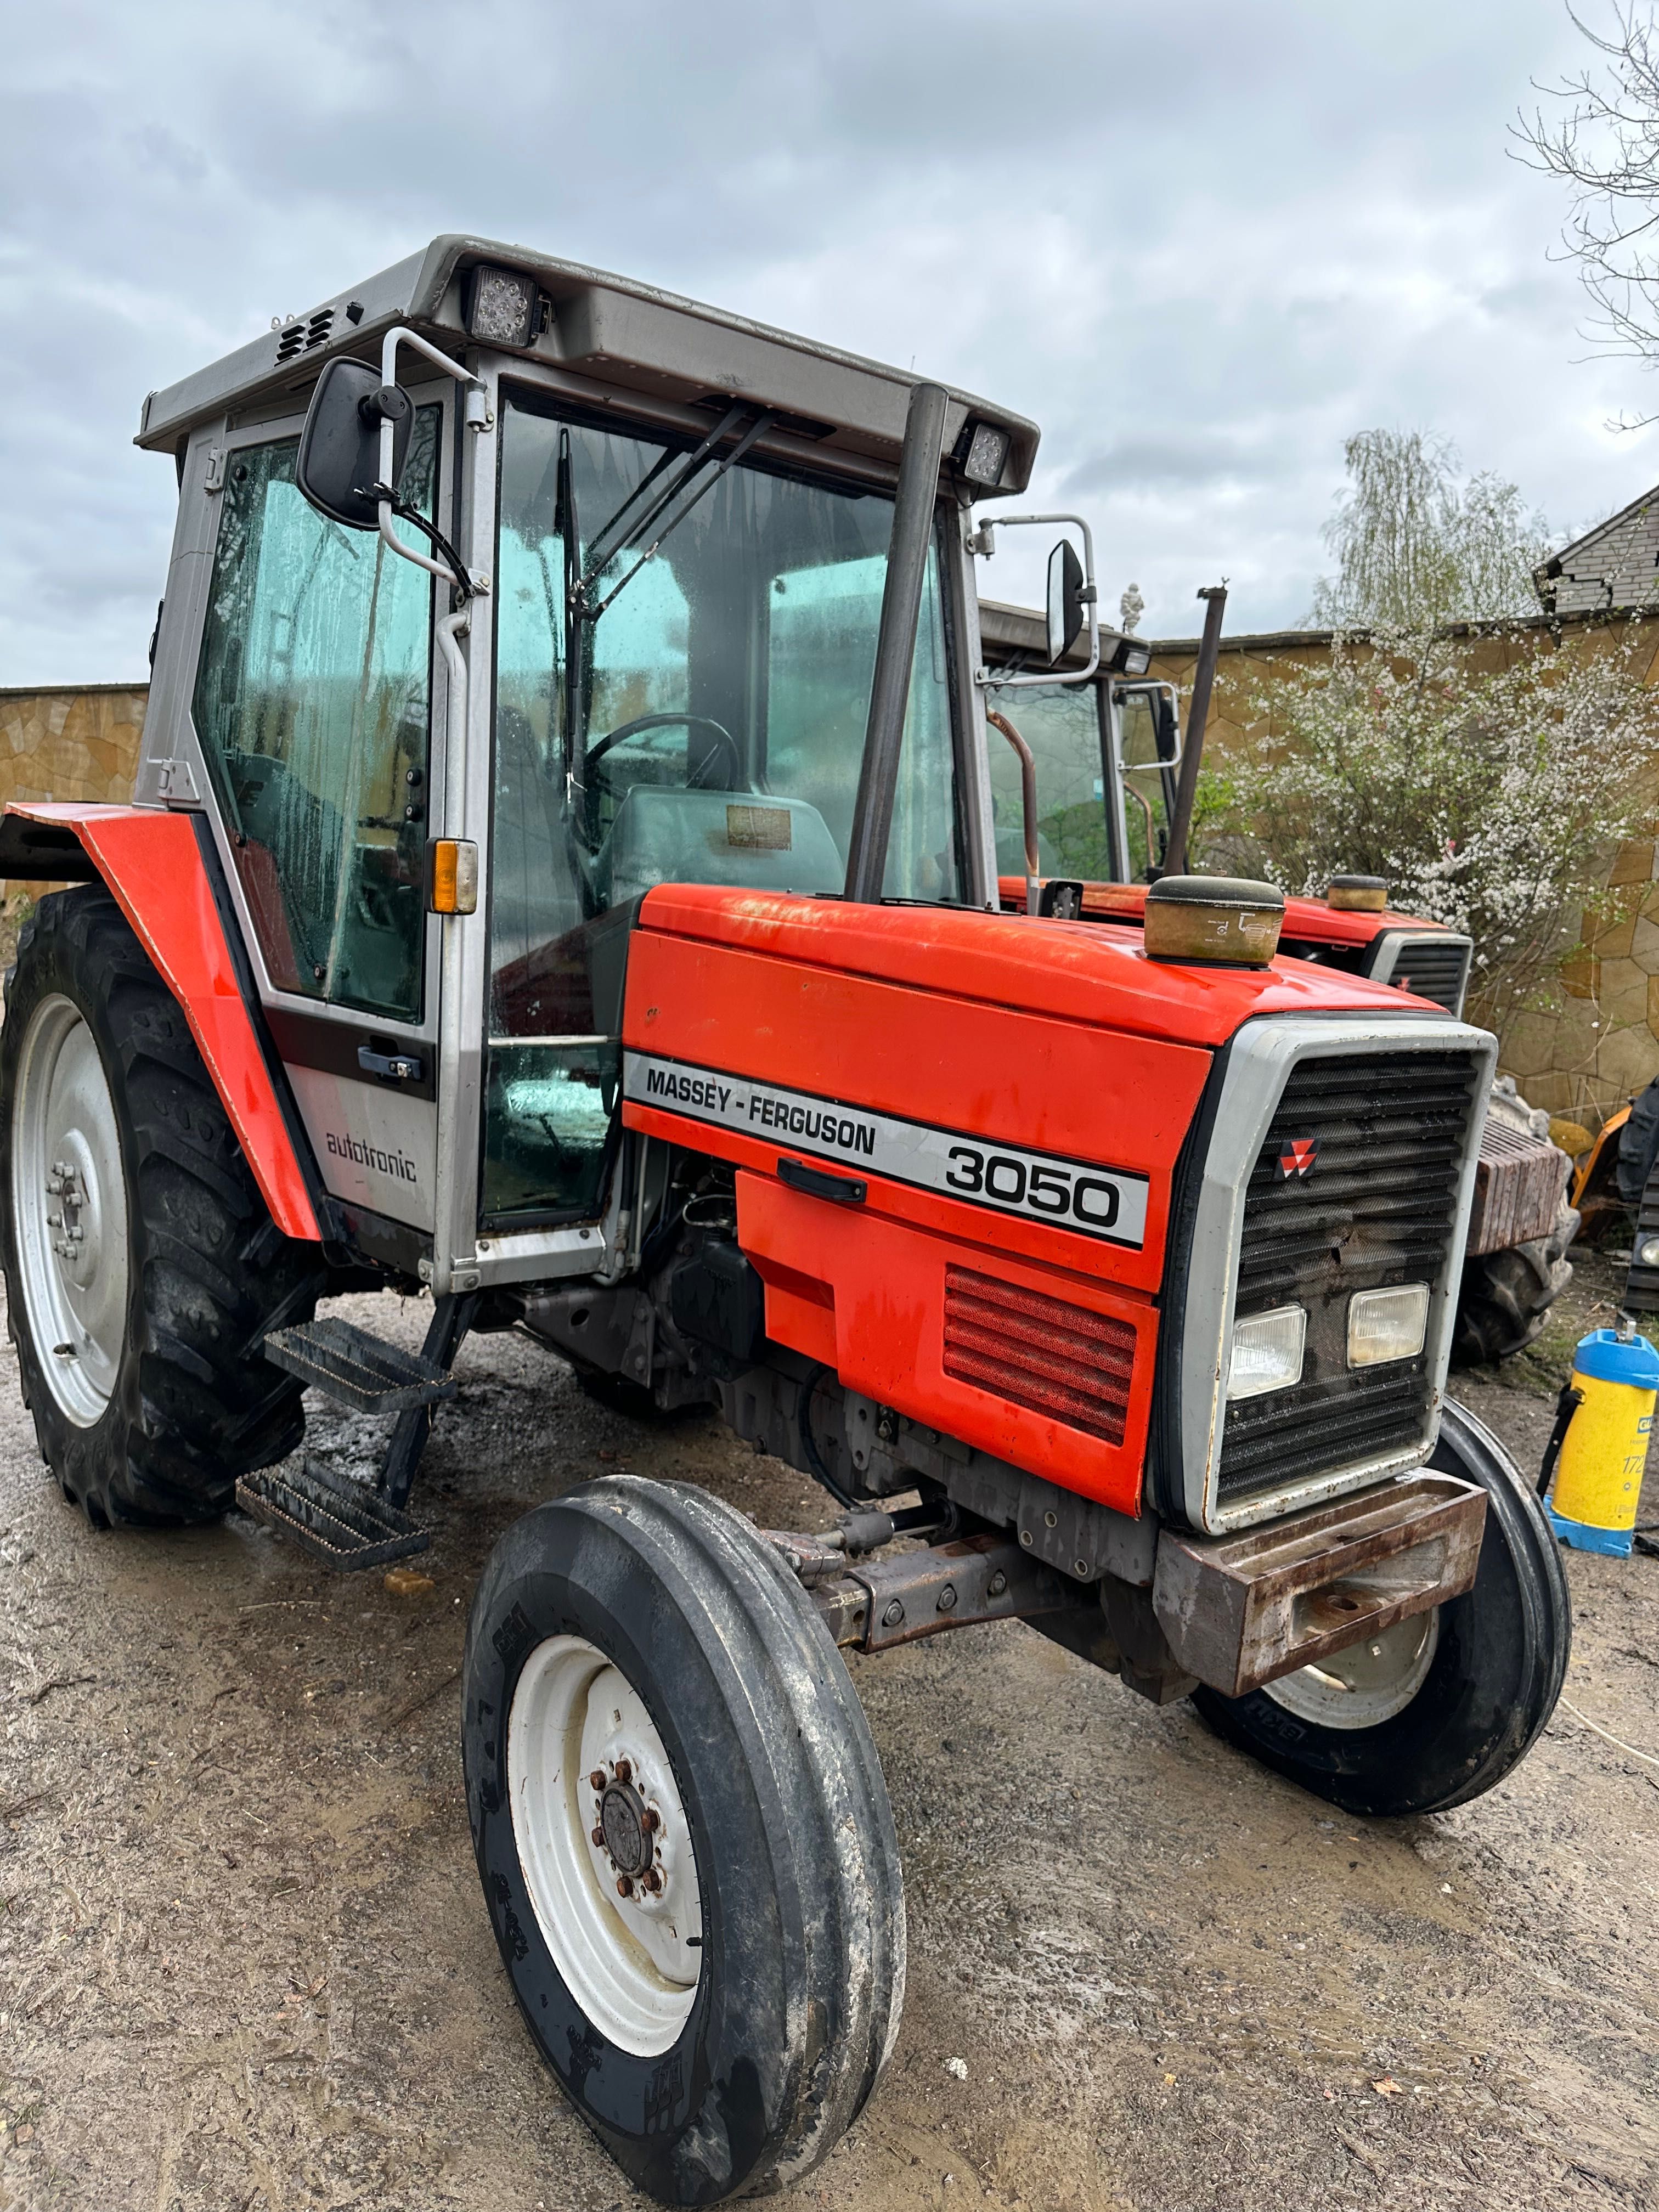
1297	1156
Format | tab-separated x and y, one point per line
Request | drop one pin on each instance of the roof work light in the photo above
501	305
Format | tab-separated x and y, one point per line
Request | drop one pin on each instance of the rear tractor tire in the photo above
142	1269
1437	1708
683	1837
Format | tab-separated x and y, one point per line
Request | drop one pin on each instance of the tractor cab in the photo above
647	659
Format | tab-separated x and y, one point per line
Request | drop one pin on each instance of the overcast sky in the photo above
1201	241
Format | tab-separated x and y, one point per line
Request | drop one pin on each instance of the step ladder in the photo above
341	1523
349	1524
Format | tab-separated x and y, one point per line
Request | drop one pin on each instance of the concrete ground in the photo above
244	1967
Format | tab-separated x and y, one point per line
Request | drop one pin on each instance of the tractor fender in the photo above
156	866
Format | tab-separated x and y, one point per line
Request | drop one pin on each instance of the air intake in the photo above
296	339
1039	1352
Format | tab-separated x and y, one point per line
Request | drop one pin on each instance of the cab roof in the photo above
610	331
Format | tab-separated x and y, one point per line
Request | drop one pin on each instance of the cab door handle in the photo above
390	1066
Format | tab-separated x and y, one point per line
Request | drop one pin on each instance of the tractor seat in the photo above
745	838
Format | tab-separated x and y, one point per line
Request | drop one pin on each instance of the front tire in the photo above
1457	1696
684	1838
142	1269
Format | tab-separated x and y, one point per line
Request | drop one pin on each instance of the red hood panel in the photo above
1100	976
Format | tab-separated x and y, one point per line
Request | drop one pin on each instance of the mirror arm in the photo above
984	676
475	414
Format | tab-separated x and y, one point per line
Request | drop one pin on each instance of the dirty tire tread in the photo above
1496	1674
196	1403
803	1923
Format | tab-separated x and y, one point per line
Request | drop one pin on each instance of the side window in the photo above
311	704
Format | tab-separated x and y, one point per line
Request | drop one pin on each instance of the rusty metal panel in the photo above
877	1603
1517	1188
1240	1611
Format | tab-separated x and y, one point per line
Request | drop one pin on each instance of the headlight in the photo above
1647	1253
1266	1352
1387	1324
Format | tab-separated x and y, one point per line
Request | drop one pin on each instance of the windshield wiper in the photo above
666	512
676	494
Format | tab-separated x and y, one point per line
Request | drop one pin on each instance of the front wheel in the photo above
1436	1710
683	1837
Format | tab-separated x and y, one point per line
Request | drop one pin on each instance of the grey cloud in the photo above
1199	244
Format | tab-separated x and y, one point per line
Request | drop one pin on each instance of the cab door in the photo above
313	707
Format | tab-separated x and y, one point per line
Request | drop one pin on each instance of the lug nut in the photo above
596	1779
651	1819
651	1880
624	1887
624	1771
598	1838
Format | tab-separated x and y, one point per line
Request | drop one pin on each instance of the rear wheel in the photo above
1440	1707
684	1838
142	1267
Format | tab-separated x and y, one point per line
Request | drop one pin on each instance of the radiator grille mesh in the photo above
1039	1352
1435	969
1377	1205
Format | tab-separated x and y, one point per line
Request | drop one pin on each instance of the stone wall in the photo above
70	744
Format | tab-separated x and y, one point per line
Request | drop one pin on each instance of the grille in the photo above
1377	1205
300	338
1039	1352
1437	968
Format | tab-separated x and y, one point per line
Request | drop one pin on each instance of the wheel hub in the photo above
1369	1682
626	1822
604	1843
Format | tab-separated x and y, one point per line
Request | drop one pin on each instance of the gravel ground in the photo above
244	1967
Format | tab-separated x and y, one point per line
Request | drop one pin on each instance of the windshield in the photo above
712	728
711	731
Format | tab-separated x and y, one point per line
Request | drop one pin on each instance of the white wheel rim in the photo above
1367	1684
630	1961
68	1202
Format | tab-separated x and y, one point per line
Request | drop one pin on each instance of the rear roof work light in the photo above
502	306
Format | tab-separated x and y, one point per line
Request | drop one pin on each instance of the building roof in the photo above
1614	566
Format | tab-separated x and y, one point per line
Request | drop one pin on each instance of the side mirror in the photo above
1065	600
1167	736
339	459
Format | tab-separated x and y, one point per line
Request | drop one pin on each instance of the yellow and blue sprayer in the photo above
1604	1418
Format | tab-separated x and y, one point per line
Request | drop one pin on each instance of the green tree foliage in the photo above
1415	546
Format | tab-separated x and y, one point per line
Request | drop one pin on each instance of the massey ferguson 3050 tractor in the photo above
561	874
1116	779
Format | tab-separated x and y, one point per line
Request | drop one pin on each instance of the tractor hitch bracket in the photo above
870	1604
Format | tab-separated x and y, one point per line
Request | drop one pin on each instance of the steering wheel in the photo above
690	722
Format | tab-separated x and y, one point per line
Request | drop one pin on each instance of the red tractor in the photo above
561	876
